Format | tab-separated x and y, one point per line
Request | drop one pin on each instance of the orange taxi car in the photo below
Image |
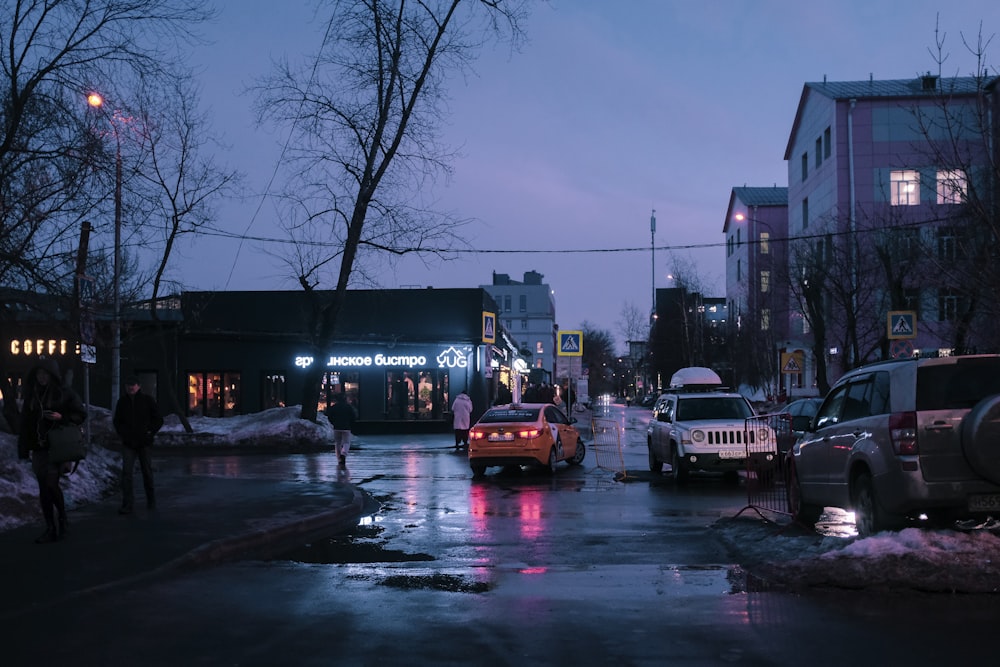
524	434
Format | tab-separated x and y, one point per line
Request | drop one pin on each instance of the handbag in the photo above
66	444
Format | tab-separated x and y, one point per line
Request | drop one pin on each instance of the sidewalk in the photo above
199	520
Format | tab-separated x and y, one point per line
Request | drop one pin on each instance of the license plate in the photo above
500	437
985	502
732	454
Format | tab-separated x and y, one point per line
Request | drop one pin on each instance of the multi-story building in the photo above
527	310
888	199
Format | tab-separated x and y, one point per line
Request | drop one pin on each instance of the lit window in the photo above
765	319
765	243
952	186
765	281
904	187
539	348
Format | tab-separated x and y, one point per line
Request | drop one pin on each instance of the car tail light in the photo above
903	432
476	435
529	434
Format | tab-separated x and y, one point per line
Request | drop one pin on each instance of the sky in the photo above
611	110
962	560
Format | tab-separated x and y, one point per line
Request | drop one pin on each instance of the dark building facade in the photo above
400	356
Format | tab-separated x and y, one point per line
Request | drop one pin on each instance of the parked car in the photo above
902	440
793	420
698	425
524	434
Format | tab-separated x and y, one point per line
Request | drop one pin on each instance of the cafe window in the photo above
416	394
273	386
336	383
214	394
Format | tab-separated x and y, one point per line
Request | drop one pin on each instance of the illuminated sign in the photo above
33	346
450	357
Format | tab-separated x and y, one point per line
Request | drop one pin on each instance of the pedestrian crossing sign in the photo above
570	343
791	362
489	327
902	324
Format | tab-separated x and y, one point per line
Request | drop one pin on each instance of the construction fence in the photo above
765	476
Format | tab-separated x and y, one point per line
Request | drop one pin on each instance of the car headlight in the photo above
698	436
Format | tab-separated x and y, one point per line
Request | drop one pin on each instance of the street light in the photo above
97	102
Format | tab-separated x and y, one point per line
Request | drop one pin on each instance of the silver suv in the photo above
697	425
902	440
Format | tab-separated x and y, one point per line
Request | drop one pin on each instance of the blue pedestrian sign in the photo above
902	324
489	327
570	343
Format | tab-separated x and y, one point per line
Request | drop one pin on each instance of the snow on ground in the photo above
775	553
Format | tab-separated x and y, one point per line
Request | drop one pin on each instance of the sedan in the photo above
524	434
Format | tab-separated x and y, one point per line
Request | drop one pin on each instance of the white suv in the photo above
698	425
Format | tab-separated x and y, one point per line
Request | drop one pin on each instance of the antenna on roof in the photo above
824	79
871	78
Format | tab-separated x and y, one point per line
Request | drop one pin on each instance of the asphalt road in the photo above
514	569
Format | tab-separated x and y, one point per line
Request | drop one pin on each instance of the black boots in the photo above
50	535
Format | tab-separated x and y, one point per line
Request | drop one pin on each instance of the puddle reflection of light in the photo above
533	570
411	492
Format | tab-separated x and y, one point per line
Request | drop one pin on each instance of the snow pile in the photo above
97	476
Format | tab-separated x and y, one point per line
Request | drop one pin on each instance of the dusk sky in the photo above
612	108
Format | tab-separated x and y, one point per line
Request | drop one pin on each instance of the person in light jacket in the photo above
461	411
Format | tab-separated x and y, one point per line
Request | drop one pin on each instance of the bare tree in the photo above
363	118
633	322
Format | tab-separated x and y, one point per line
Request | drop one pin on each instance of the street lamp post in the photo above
96	101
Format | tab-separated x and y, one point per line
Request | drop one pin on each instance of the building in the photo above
527	310
401	356
889	215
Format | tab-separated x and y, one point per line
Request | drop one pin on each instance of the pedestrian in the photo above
461	411
342	416
47	404
137	419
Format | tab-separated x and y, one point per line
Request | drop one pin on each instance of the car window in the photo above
554	416
716	407
829	412
880	394
510	415
857	403
958	385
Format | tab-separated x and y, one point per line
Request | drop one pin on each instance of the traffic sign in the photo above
901	349
902	324
489	327
791	362
570	344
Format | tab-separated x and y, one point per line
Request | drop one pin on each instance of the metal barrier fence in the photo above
766	489
607	446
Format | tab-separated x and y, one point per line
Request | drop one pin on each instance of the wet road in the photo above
513	569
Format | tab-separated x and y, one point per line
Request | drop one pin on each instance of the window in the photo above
805	166
826	143
416	394
904	187
335	383
538	363
272	389
805	213
765	243
952	186
765	319
506	303
739	270
947	244
819	151
524	325
214	394
765	281
911	299
539	348
947	305
523	303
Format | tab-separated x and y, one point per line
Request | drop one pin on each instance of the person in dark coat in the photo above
137	419
342	416
47	404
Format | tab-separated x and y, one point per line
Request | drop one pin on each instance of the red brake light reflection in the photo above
903	433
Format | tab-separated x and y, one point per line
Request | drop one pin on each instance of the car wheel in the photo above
801	512
655	464
677	467
581	451
981	438
478	470
869	517
551	467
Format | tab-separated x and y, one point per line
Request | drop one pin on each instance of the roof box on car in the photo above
695	377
